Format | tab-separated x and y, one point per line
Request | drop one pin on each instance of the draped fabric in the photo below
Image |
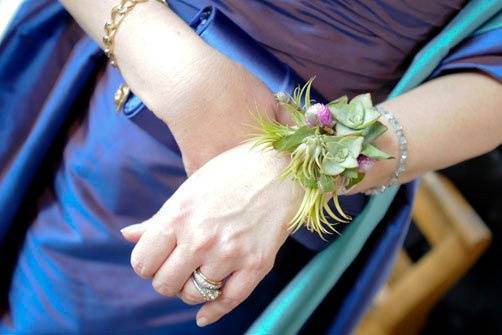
482	52
101	172
375	39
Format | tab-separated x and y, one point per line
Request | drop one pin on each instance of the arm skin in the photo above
446	120
179	77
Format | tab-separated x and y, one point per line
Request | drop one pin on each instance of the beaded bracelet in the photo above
403	153
117	16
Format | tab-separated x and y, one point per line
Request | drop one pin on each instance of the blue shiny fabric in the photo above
481	52
73	273
351	47
24	134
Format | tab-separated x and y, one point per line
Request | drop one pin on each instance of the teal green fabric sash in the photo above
294	305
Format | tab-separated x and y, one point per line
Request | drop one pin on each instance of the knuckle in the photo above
139	267
230	252
269	266
191	296
179	215
160	233
230	301
231	246
176	211
163	288
185	204
259	263
204	244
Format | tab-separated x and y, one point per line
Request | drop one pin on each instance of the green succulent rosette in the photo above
331	148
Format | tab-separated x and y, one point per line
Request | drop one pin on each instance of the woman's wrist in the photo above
152	34
220	113
214	109
382	170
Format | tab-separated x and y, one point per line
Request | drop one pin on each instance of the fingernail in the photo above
201	321
130	229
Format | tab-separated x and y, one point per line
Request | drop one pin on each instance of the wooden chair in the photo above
457	236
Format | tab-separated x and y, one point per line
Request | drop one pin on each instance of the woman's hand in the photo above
229	218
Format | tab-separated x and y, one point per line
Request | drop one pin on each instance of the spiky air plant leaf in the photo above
331	150
270	132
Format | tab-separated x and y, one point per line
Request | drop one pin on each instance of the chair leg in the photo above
457	236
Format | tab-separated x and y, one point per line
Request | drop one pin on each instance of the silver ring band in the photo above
208	289
204	282
206	293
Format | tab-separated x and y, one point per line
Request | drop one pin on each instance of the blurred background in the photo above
447	279
473	304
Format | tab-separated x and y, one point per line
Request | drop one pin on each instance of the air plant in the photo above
331	148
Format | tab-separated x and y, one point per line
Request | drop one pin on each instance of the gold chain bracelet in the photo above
111	27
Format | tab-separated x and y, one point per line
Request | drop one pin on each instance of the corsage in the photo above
331	148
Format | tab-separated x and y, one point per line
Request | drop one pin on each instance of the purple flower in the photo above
365	163
318	115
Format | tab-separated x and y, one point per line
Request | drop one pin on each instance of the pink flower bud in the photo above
324	115
319	114
365	163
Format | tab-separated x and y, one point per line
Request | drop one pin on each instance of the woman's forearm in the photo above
447	120
153	47
207	100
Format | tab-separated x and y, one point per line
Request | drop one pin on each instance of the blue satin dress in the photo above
71	272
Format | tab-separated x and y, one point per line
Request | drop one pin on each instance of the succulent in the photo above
342	153
355	115
331	149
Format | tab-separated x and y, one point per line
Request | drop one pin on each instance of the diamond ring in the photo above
208	289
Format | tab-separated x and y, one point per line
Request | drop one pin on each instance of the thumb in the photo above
133	232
